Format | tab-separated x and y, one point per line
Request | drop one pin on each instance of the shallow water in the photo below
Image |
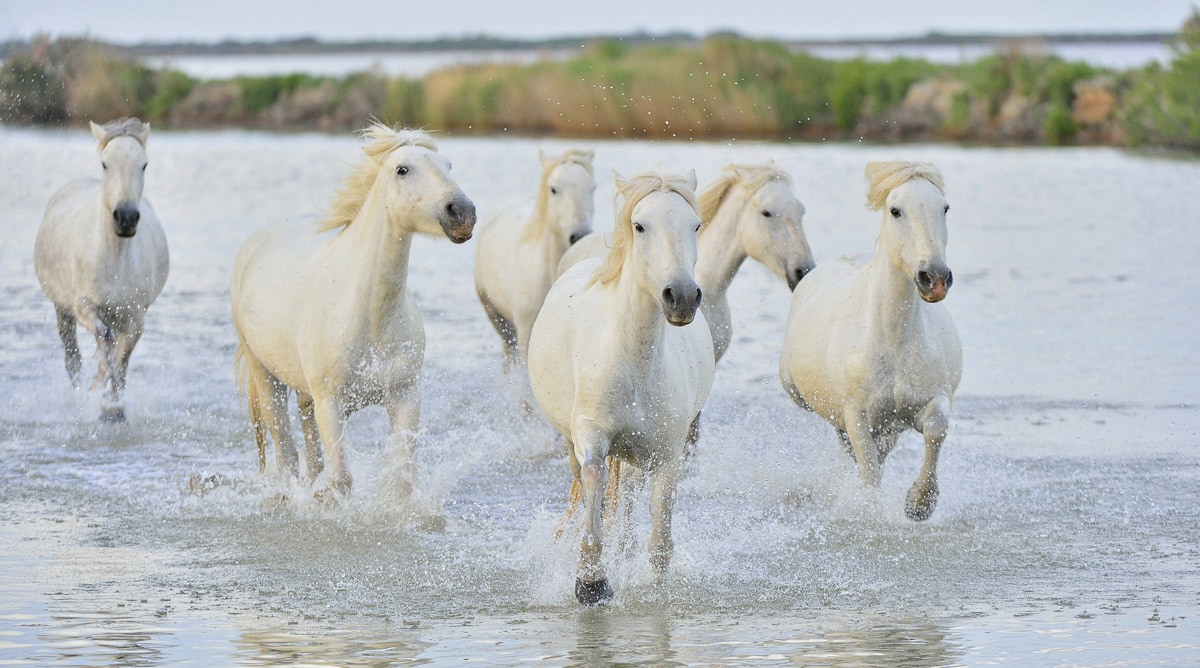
1066	532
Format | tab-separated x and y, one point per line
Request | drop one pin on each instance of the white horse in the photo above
101	257
516	259
869	348
610	374
748	211
328	313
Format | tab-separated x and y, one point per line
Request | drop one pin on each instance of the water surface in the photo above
1066	532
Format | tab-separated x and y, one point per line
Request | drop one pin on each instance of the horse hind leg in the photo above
933	424
505	328
66	332
122	350
268	407
312	437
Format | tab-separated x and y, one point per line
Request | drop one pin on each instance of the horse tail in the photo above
248	387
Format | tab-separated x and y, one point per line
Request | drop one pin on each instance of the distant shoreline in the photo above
311	45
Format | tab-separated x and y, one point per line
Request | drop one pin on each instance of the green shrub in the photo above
1058	126
847	93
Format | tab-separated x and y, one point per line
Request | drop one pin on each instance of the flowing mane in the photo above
122	127
884	177
634	190
751	176
381	140
571	156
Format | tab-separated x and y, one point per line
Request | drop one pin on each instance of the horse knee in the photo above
935	425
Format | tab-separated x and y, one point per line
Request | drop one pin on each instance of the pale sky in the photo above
127	21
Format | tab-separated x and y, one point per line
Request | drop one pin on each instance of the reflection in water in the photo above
329	647
605	639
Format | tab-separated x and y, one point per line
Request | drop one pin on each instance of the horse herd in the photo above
620	334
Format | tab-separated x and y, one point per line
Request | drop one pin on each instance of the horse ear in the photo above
691	179
144	133
544	159
590	154
97	131
621	181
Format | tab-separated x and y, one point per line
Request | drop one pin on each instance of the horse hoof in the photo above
593	594
919	508
113	415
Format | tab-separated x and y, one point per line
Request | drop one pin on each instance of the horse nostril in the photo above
924	279
134	217
668	297
949	279
699	294
575	237
451	209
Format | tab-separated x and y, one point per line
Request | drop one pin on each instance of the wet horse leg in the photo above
66	332
591	452
933	423
312	438
404	415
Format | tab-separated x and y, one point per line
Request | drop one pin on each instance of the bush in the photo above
30	92
1058	126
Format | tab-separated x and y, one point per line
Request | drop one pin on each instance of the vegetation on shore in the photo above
721	87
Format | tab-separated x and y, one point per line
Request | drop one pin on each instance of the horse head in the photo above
912	197
770	223
418	191
565	199
661	221
123	159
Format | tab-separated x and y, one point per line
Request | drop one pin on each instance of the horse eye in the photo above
553	190
144	167
402	170
766	214
895	212
947	209
697	228
104	165
638	227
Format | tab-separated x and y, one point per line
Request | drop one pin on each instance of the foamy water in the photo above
1066	531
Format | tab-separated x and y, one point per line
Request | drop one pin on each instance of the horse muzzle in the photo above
798	271
459	221
933	281
680	301
125	220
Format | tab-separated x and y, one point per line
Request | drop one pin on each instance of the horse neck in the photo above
639	314
551	246
891	293
376	256
720	252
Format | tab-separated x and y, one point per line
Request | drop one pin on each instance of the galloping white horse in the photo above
101	257
748	211
610	374
516	260
868	347
327	312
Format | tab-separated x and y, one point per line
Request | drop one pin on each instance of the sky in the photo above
131	21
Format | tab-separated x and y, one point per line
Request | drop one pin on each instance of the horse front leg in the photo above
122	351
404	415
591	452
106	339
862	445
314	461
662	505
66	332
933	423
330	416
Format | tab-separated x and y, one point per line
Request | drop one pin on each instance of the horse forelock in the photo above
630	192
124	127
381	141
752	177
884	177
